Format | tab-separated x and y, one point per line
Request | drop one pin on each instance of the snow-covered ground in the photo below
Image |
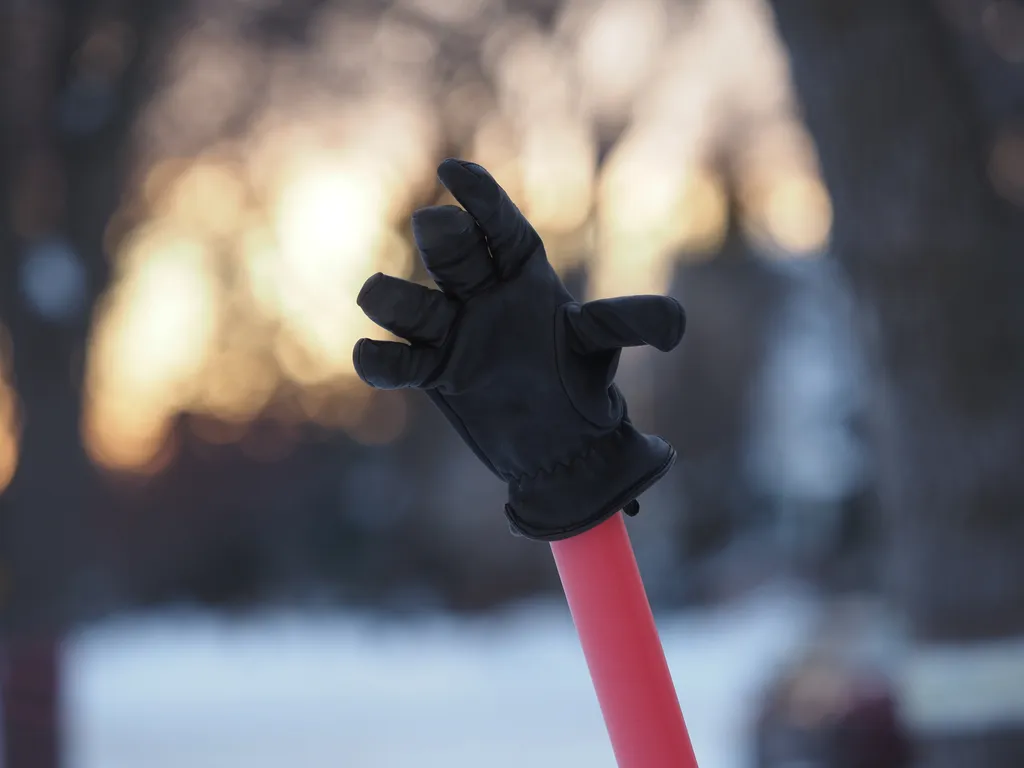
337	691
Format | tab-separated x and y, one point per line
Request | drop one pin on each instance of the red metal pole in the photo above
624	653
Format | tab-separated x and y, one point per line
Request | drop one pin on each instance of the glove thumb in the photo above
628	321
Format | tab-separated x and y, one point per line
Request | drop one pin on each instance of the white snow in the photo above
342	691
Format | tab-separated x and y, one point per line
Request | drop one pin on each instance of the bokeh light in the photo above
798	214
9	430
151	342
238	253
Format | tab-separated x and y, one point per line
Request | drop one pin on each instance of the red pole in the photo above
620	642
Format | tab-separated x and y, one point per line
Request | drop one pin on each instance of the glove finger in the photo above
453	250
411	311
393	365
511	238
627	321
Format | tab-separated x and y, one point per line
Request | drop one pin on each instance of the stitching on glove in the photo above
567	464
620	502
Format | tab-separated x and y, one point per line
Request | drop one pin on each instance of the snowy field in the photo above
338	691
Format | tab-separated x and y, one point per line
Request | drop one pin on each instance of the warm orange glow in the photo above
643	183
655	205
238	386
496	147
533	76
125	433
149	347
558	169
210	75
798	214
171	305
343	405
8	429
618	43
259	264
329	226
206	198
237	257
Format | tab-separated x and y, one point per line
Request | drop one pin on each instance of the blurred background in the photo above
219	548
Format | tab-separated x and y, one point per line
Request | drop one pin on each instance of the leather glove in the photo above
521	370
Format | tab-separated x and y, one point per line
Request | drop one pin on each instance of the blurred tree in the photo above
705	394
933	256
73	72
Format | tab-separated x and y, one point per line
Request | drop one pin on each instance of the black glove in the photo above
520	369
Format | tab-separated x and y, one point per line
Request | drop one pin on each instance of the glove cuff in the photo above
575	497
